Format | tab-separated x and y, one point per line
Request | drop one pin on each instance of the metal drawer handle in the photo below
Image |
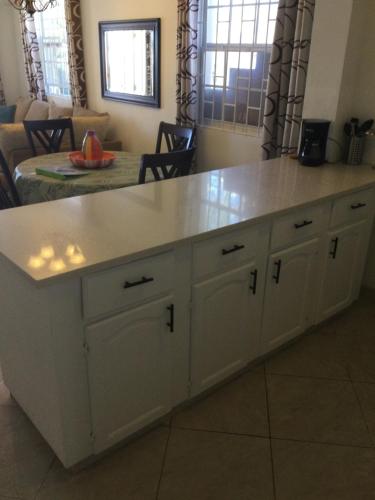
276	276
254	276
171	321
236	248
143	281
333	252
303	224
358	205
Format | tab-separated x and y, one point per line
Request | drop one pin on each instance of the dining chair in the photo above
14	198
49	133
177	138
166	165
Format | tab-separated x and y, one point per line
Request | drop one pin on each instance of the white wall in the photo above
11	63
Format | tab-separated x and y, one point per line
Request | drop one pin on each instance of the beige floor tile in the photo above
238	407
214	466
24	478
306	471
19	438
317	410
131	473
366	395
24	456
361	364
324	354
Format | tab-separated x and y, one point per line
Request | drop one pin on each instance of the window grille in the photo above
236	42
53	46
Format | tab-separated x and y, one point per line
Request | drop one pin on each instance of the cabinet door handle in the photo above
355	206
254	276
333	252
143	281
276	276
170	324
303	224
236	248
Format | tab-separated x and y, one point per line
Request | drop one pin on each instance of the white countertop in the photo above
52	239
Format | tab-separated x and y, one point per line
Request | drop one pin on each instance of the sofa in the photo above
13	141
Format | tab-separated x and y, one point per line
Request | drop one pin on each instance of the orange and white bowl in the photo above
78	160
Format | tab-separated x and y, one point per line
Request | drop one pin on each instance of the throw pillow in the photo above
56	111
38	111
23	105
7	114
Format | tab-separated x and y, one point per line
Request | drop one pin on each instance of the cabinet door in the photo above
344	262
225	325
129	371
291	294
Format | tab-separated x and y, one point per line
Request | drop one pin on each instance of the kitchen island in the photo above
118	306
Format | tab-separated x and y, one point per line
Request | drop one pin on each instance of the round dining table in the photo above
33	188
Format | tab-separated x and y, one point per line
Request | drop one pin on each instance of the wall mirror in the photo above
130	61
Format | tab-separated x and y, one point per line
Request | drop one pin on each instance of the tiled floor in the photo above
299	427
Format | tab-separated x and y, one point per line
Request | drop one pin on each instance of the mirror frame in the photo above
138	24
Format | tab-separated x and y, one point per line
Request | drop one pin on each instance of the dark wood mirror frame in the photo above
136	24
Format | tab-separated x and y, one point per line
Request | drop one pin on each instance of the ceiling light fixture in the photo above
32	6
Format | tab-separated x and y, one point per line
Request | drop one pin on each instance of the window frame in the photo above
226	48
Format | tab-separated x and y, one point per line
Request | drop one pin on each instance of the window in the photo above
237	39
53	46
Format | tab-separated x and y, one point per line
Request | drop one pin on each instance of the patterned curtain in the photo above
2	96
287	78
187	60
33	65
75	52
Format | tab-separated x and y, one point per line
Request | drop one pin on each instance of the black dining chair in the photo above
9	196
177	138
49	134
166	165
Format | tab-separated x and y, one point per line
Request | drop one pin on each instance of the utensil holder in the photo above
355	150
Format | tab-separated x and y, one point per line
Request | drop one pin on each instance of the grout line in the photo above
363	414
269	431
323	443
309	377
163	463
180	428
43	481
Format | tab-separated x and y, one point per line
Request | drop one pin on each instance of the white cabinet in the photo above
129	360
290	295
225	325
343	269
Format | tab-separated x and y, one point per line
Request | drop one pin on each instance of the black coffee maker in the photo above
312	151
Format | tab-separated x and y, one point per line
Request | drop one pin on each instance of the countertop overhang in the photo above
74	235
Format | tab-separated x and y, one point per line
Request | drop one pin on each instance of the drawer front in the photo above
299	225
226	251
128	284
353	207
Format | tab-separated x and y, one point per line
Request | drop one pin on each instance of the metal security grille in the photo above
52	38
237	37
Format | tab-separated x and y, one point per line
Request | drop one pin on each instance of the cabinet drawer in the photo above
228	250
353	207
291	228
124	285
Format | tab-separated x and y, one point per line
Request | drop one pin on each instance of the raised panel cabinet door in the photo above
344	262
291	294
129	371
225	325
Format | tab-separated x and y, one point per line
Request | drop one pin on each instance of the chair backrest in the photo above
9	181
5	201
166	165
177	138
49	133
